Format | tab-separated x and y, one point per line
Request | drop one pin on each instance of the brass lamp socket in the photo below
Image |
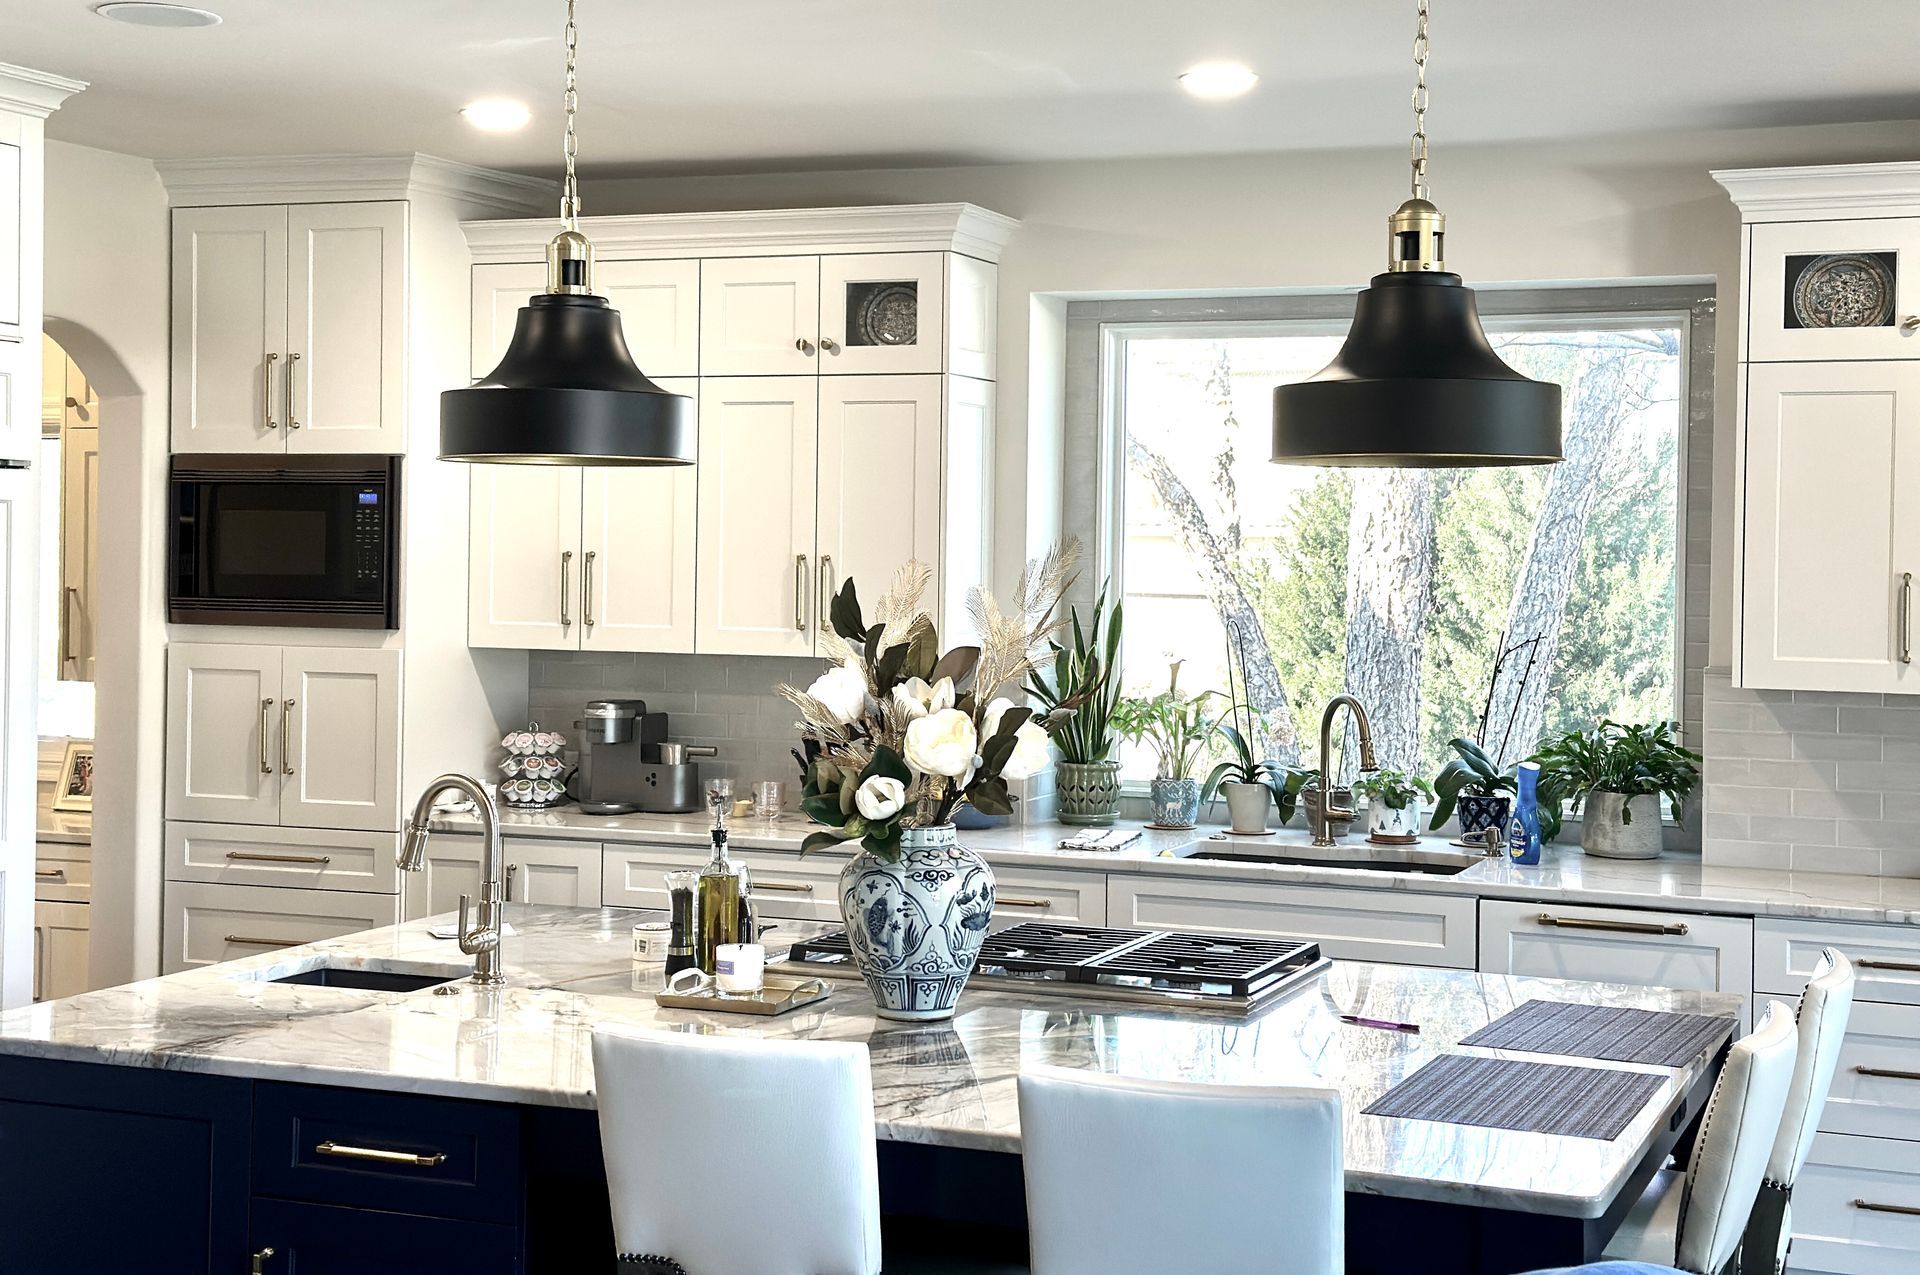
1416	235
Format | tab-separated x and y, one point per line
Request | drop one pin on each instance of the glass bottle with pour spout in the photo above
718	899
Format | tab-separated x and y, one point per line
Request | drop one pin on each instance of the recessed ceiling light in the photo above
1216	81
141	13
496	114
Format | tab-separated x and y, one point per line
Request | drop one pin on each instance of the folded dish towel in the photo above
1101	839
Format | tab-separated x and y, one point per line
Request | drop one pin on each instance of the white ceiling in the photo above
678	85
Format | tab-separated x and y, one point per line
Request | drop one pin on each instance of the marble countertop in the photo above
1564	875
570	970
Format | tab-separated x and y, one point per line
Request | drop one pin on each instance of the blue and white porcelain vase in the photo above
916	924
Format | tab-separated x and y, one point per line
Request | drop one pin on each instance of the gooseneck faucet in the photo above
482	942
1328	806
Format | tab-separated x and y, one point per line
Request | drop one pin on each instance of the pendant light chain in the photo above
1417	148
570	191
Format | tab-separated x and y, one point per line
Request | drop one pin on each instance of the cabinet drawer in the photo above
539	870
206	923
1836	1229
299	858
790	888
62	880
1886	958
1048	894
1876	1086
630	876
324	1239
392	1152
1617	945
1354	925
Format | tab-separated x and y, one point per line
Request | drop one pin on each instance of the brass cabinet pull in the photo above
511	869
566	571
586	589
1909	1210
293	408
286	737
1013	901
345	1151
266	392
260	856
1888	1073
266	766
830	345
803	345
783	887
250	940
260	1261
826	589
799	593
1905	967
1617	927
1910	325
49	874
1906	617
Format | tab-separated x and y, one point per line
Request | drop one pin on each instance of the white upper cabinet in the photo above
658	301
759	316
1831	534
1826	290
882	312
879	489
973	295
758	575
524	556
12	260
289	329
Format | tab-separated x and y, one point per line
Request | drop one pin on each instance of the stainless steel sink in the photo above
1432	857
368	980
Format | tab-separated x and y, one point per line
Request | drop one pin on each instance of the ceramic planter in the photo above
1477	813
1247	806
1087	792
1385	821
1176	802
916	924
1603	834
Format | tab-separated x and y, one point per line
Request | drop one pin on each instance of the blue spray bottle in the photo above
1523	828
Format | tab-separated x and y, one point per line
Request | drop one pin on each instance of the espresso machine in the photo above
628	764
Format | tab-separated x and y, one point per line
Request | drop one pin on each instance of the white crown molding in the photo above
1824	192
304	179
35	93
962	228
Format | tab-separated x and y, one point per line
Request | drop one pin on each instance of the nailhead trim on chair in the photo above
649	1264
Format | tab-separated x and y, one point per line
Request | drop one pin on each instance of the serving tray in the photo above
779	994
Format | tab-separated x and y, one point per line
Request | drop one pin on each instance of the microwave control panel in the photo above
369	536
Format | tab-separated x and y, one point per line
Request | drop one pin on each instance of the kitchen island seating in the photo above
1695	1222
1145	1177
1825	1007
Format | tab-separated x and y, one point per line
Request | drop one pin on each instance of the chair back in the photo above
1143	1177
739	1156
1736	1137
1825	1007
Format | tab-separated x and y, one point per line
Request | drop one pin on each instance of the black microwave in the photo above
284	540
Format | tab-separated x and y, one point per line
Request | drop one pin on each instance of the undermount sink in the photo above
367	980
1437	860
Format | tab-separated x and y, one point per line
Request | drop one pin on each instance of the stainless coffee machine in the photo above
628	764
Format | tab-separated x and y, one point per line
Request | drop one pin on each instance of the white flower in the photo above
916	699
880	797
1030	753
842	691
942	743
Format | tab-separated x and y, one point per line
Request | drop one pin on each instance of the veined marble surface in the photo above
570	970
1564	875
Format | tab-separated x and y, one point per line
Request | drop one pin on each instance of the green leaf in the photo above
890	670
923	652
887	764
994	754
990	797
845	616
956	664
820	841
824	809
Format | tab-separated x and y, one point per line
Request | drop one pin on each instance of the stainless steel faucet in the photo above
482	942
1330	809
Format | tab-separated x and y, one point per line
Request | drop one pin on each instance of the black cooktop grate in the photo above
1190	960
1037	947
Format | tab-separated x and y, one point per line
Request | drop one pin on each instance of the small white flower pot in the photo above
1385	821
1603	833
1247	807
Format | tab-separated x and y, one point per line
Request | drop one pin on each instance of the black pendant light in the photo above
567	391
1416	385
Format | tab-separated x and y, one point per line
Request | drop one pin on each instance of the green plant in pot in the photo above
1619	774
1178	729
1250	785
1393	803
1477	788
1078	702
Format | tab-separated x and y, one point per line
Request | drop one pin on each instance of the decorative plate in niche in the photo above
1843	290
889	315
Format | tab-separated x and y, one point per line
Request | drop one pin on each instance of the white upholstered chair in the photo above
1695	1222
1825	1007
1142	1177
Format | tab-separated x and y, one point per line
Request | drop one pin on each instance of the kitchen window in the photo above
1407	586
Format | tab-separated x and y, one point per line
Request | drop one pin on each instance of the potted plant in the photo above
1393	803
1620	773
898	736
1079	702
1177	729
1478	788
1249	784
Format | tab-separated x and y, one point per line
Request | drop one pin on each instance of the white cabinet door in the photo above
499	291
759	316
883	312
540	871
12	263
229	329
1886	958
300	858
758	586
61	939
638	536
1833	290
1832	526
1856	1208
524	557
346	352
340	738
1617	945
1876	1084
879	502
659	305
223	755
203	924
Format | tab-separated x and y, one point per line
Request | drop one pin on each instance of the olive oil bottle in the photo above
718	896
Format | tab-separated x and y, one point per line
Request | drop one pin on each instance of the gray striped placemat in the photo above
1655	1037
1529	1097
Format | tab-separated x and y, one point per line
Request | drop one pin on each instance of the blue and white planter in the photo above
916	925
1176	802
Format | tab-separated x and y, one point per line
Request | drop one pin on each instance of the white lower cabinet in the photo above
1048	894
1856	1208
1357	925
205	923
539	870
1876	1085
1617	945
300	858
631	876
61	935
1886	958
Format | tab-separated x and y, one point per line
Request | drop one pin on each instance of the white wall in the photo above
106	267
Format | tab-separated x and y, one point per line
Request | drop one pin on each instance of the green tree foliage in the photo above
1297	582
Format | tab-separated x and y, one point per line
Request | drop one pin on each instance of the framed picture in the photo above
76	777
